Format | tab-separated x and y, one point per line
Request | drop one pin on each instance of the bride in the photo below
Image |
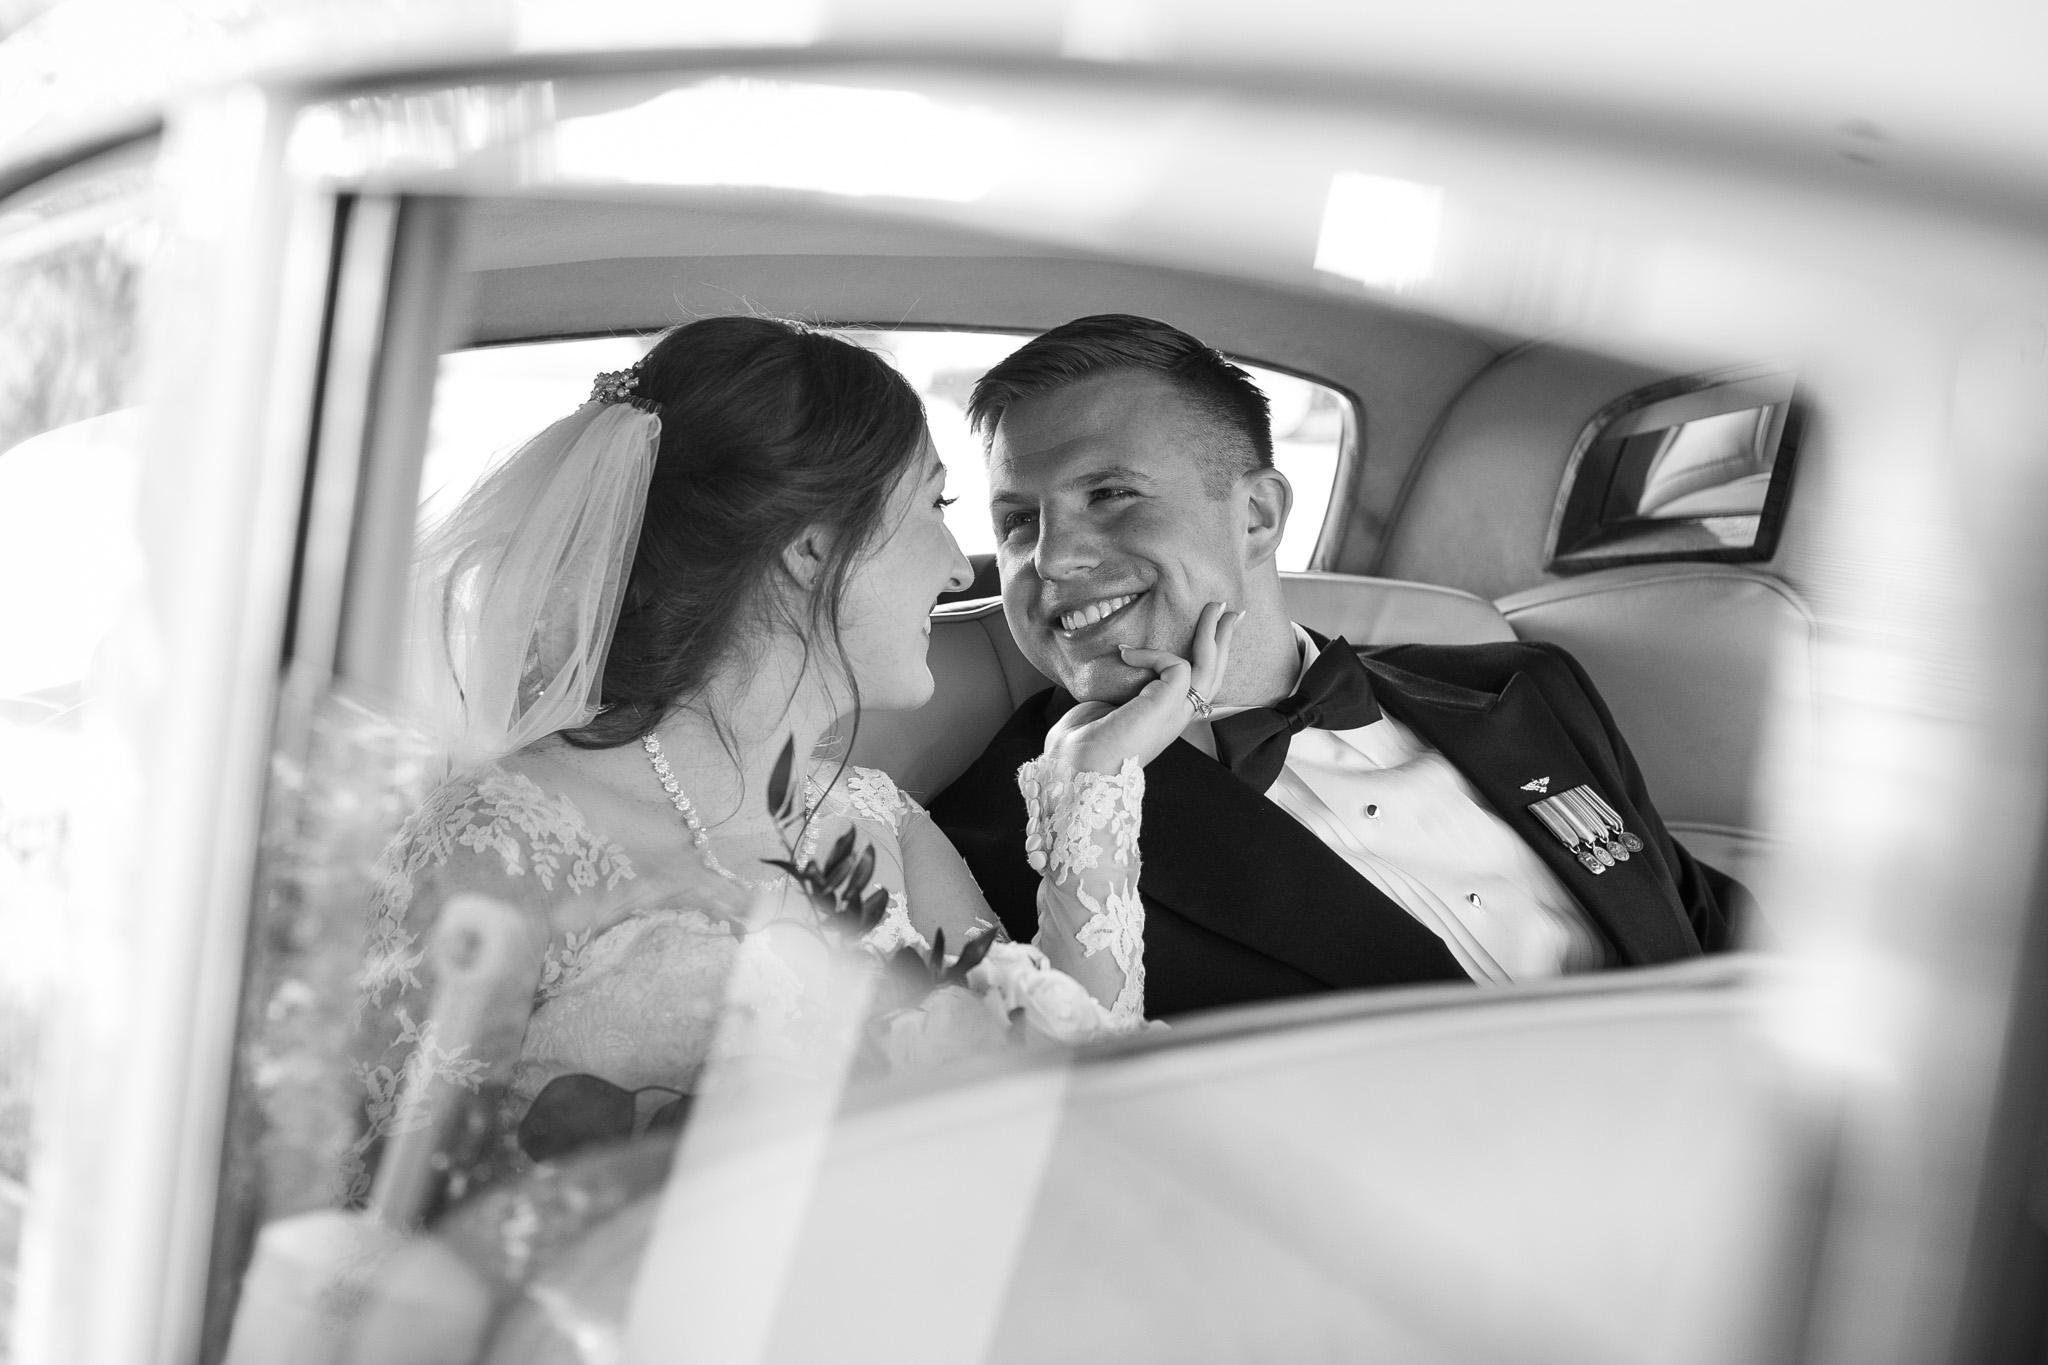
733	546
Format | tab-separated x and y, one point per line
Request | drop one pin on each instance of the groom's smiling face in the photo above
1107	531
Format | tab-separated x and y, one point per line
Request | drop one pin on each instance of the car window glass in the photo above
353	1031
1310	422
72	251
489	399
1697	468
1713	467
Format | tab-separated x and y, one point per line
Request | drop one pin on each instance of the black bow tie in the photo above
1335	694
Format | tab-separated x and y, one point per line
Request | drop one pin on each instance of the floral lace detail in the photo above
1065	811
1081	834
392	1094
491	812
1117	922
1118	925
896	931
870	794
516	829
560	966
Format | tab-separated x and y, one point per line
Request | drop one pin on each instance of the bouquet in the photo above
924	1009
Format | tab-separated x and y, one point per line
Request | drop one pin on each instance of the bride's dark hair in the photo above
768	428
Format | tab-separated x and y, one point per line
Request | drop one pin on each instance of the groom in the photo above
1344	817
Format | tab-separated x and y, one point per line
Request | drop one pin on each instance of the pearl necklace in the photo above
701	837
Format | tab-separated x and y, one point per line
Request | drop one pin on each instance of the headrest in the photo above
982	677
1391	611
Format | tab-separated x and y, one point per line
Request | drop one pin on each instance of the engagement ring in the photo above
1201	704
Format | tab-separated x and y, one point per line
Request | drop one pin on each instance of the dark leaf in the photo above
838	863
785	865
863	868
900	989
873	908
573	1111
971	956
938	953
909	971
778	781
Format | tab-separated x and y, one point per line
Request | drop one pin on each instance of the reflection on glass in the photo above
67	352
57	491
793	136
1712	467
70	259
425	130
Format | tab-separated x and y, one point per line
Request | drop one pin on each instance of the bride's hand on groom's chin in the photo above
1098	737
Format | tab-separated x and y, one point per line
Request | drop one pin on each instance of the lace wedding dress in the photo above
643	963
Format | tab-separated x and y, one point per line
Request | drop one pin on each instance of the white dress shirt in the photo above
1395	809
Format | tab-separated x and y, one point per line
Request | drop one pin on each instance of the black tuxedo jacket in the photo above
1242	903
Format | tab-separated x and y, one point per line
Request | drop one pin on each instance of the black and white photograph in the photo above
1088	682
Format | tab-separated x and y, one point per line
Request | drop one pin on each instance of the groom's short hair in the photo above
1106	343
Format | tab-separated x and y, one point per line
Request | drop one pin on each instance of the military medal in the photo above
1584	823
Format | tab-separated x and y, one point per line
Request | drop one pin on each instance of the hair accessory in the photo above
517	591
623	386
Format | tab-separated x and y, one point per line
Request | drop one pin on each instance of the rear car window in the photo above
489	399
1695	468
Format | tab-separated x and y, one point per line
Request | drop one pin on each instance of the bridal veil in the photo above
516	592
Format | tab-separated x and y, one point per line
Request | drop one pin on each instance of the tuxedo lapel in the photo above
1222	855
1503	742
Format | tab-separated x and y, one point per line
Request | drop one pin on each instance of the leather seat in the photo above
1706	667
982	677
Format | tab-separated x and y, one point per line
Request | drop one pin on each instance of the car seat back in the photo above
981	676
1703	666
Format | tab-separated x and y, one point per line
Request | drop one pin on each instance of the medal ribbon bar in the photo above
1584	823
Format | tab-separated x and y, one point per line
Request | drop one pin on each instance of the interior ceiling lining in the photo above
504	232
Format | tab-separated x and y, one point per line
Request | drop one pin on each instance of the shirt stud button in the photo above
1372	812
1476	902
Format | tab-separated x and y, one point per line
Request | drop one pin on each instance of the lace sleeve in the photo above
872	795
492	832
1081	835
